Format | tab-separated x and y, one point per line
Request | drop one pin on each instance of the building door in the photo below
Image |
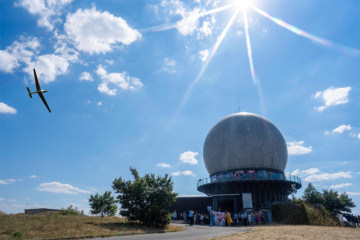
225	204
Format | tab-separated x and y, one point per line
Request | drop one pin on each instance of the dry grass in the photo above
53	225
296	232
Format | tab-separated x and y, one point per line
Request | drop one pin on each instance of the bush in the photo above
17	234
70	211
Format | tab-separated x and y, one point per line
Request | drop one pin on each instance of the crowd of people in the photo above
245	218
191	217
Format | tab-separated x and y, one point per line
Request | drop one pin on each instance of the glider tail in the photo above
29	92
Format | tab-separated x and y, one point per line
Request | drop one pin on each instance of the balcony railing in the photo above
250	177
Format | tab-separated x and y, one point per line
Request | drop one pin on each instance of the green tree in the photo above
336	203
146	199
104	204
312	196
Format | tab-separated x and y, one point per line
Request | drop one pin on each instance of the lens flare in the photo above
242	4
254	78
201	73
187	20
300	32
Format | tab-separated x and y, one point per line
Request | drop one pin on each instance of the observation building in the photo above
245	156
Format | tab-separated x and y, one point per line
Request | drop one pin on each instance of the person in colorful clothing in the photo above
228	218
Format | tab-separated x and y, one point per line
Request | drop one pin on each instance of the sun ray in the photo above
200	74
254	78
249	49
300	32
166	27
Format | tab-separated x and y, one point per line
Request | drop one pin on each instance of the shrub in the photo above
70	211
17	234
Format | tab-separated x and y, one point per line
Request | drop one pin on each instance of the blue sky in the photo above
140	83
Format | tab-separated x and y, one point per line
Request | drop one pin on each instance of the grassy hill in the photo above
54	225
302	213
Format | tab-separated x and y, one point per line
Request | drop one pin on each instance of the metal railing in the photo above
250	177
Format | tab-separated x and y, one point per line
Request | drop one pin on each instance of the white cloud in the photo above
47	10
33	176
2	199
109	61
358	136
341	185
103	87
314	175
86	76
189	23
163	165
327	176
7	181
188	173
342	128
297	148
97	32
99	103
4	108
203	55
168	65
120	80
178	173
333	96
184	173
341	162
189	157
8	61
48	67
353	193
57	187
62	49
12	200
19	51
303	173
205	30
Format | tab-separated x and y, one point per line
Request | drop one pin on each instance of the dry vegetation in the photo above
53	225
296	232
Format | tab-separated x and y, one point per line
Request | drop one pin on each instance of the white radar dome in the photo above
244	141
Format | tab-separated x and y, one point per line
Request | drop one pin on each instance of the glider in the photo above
38	91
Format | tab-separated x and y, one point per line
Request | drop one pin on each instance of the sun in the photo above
242	4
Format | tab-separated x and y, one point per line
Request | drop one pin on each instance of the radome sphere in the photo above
244	141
